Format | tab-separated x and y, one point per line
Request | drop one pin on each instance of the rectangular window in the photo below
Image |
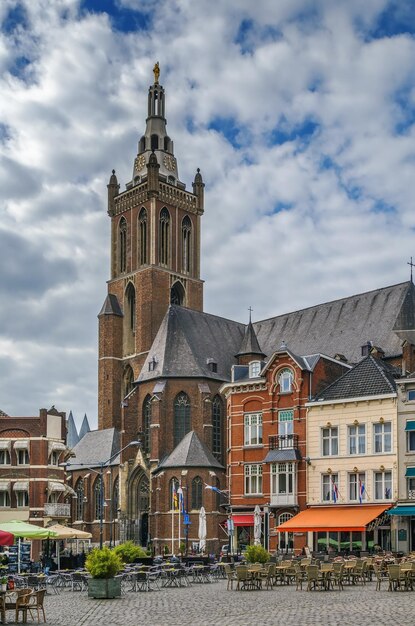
22	498
411	488
253	479
253	429
411	394
329	487
357	439
282	478
4	457
54	457
23	457
330	441
4	498
285	423
382	434
383	485
411	441
357	487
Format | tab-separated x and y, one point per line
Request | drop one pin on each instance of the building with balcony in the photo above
352	469
266	432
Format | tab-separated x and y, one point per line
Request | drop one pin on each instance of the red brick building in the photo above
266	419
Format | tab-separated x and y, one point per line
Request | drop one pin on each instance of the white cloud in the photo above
325	214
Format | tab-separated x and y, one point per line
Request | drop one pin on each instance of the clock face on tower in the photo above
169	163
140	162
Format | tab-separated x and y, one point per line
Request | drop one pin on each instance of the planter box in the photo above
104	588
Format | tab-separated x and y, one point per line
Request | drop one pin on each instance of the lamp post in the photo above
102	465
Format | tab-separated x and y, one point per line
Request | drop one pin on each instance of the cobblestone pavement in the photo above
207	604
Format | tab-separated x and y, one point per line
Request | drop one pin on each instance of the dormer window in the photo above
254	369
286	378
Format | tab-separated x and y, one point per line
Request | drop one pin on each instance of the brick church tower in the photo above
155	258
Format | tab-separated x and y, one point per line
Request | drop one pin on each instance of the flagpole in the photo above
172	517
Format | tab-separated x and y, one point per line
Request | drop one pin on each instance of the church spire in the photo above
250	345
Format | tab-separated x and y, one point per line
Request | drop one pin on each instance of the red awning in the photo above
243	520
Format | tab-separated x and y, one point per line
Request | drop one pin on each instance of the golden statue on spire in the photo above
156	70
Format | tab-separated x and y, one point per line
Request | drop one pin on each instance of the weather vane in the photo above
156	70
412	265
250	309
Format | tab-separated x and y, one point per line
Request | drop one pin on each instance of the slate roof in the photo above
3	414
282	456
370	377
185	341
250	343
85	428
96	447
72	436
190	452
384	316
111	306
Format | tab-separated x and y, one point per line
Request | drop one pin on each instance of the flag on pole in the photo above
361	491
181	500
175	497
215	489
335	491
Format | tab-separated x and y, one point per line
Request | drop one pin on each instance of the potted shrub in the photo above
257	554
129	552
103	565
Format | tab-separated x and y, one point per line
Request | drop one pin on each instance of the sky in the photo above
299	113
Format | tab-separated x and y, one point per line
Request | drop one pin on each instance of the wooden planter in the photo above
104	588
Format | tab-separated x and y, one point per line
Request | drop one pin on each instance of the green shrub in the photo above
103	563
129	552
257	554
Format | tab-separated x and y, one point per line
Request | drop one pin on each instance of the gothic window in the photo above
177	294
146	423
98	501
197	491
129	318
181	417
122	236
128	380
130	293
173	497
217	427
167	144
164	237
115	498
142	227
143	495
79	490
186	245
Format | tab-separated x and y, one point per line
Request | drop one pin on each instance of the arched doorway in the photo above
139	507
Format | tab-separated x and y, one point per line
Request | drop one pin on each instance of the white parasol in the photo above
202	529
257	526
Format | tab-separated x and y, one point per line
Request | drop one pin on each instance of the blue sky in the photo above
301	116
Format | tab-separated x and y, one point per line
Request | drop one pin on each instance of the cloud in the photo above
300	116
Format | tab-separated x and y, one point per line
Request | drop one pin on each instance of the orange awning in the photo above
326	518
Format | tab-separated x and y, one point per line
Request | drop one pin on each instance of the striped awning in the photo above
21	485
54	486
5	444
4	485
21	444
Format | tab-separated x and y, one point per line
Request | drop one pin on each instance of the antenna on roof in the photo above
412	266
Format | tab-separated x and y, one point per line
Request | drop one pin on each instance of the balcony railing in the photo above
281	442
411	494
284	499
54	509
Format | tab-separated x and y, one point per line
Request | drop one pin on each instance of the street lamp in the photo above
102	465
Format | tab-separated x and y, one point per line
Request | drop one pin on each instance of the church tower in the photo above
155	258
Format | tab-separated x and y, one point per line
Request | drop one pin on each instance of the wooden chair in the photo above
396	578
35	603
16	600
230	576
314	580
243	578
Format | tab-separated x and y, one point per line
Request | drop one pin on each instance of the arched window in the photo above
130	295
177	294
186	245
142	229
174	496
98	502
197	492
129	319
181	417
146	423
164	237
286	540
122	237
79	490
217	427
285	379
115	498
128	380
143	495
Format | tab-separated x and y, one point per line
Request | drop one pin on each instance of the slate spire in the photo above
250	345
72	436
85	428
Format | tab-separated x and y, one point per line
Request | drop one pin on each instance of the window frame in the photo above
381	436
253	476
410	447
285	422
331	438
286	375
353	482
197	493
253	429
255	369
7	455
357	437
283	470
7	504
384	487
22	499
332	478
24	452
